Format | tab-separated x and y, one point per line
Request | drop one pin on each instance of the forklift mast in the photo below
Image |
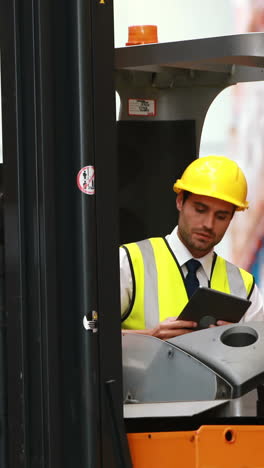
75	184
63	386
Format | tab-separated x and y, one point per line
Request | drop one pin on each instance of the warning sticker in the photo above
85	180
143	107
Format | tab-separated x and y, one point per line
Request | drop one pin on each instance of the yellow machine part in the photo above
208	447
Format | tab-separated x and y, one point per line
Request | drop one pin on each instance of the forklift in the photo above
197	384
70	184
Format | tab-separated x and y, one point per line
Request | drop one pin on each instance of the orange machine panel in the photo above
230	447
208	447
162	449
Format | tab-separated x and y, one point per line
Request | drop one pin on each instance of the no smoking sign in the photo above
86	180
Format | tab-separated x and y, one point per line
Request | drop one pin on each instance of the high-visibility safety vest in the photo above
159	288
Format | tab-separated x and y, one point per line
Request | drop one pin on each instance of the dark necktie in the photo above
191	279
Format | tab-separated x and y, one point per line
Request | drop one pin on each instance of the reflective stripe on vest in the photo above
159	283
151	301
232	282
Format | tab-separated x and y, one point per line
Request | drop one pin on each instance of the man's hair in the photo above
185	195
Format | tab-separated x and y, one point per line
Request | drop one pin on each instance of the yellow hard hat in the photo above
217	177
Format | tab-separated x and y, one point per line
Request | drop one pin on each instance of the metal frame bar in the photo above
64	387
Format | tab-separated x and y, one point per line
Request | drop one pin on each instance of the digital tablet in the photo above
206	306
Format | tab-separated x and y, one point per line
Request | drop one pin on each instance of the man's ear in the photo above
179	201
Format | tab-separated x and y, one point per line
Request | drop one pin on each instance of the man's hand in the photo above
219	323
172	327
169	328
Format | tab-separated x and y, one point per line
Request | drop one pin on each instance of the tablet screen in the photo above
206	306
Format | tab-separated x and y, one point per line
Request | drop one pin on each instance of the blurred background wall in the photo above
246	143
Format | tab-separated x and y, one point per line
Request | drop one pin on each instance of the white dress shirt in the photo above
255	311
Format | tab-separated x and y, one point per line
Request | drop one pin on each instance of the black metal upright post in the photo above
61	238
32	355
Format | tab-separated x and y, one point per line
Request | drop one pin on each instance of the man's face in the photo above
203	222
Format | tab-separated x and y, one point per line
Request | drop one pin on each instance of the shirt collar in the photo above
183	255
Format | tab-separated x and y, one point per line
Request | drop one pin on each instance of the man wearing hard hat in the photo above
155	273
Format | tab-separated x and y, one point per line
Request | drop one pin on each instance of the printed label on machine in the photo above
85	180
143	107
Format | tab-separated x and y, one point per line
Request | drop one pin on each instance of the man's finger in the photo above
167	334
223	322
185	324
